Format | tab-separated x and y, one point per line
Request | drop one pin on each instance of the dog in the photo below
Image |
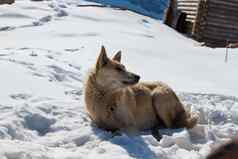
226	151
116	100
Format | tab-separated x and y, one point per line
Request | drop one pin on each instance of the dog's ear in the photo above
102	59
117	57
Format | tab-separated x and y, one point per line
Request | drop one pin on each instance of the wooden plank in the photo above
223	9
191	17
211	42
190	20
222	16
217	41
223	21
219	37
192	9
223	35
222	30
225	26
190	13
231	1
187	5
224	2
187	1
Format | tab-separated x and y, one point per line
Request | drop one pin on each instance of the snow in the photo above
46	50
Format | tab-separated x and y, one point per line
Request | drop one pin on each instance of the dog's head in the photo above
111	73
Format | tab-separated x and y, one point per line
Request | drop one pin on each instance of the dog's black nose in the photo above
137	77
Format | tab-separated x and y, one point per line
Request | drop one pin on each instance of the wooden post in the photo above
227	47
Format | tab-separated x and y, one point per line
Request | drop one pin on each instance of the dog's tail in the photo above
186	119
192	118
192	121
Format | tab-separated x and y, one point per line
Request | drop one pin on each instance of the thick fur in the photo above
116	101
227	151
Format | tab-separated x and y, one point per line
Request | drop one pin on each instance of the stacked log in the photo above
221	23
180	14
214	22
189	7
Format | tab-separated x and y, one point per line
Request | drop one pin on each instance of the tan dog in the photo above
116	101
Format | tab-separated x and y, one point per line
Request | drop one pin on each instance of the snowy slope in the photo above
45	51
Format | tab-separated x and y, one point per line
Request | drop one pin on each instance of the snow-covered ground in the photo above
46	49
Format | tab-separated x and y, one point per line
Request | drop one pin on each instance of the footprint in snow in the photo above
74	93
20	96
50	57
42	20
75	67
60	75
7	28
33	54
71	50
61	13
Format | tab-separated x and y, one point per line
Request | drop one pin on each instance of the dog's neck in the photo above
98	88
101	90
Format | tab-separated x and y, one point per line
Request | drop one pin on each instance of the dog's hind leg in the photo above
170	109
163	103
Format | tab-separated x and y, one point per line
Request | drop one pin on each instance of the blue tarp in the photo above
152	8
